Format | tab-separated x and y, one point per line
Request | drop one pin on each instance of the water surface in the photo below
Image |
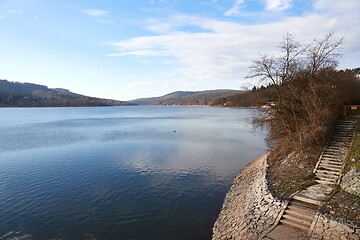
120	172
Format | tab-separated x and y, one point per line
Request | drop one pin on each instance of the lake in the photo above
132	173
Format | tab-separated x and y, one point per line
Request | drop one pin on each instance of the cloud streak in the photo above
94	12
223	50
15	11
278	5
235	9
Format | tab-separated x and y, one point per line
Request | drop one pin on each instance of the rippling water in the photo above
120	172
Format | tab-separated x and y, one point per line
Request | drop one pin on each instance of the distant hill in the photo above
187	98
16	94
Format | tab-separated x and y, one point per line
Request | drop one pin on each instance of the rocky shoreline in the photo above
250	210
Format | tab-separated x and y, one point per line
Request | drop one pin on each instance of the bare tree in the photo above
303	76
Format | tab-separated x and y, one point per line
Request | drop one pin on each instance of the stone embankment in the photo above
351	182
249	208
250	211
326	229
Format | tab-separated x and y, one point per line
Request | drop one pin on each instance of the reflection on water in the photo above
119	172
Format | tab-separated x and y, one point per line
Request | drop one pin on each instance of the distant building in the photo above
357	76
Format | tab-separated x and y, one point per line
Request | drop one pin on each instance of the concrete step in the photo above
333	149
336	143
328	172
344	138
344	126
295	225
326	176
300	214
340	139
333	143
331	162
328	180
303	205
330	167
342	131
307	200
324	182
332	153
343	134
330	156
302	209
335	160
297	220
329	176
346	123
305	222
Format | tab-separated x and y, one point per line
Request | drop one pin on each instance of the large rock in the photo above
351	182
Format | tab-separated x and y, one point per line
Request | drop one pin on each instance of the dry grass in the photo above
354	153
289	174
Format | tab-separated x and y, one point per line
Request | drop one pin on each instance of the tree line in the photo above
307	91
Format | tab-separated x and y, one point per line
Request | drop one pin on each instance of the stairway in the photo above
332	160
299	214
303	206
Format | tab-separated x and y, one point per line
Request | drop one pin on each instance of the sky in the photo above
130	49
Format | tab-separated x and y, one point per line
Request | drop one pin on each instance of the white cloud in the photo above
270	5
94	12
223	50
105	21
278	5
235	9
15	11
340	6
140	84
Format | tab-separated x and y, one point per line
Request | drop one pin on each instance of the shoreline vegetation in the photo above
307	95
15	94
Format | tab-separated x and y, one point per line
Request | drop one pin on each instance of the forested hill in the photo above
16	94
187	98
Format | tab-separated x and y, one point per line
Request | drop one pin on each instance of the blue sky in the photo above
141	48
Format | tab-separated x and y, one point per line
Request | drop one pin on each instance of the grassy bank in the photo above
354	153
